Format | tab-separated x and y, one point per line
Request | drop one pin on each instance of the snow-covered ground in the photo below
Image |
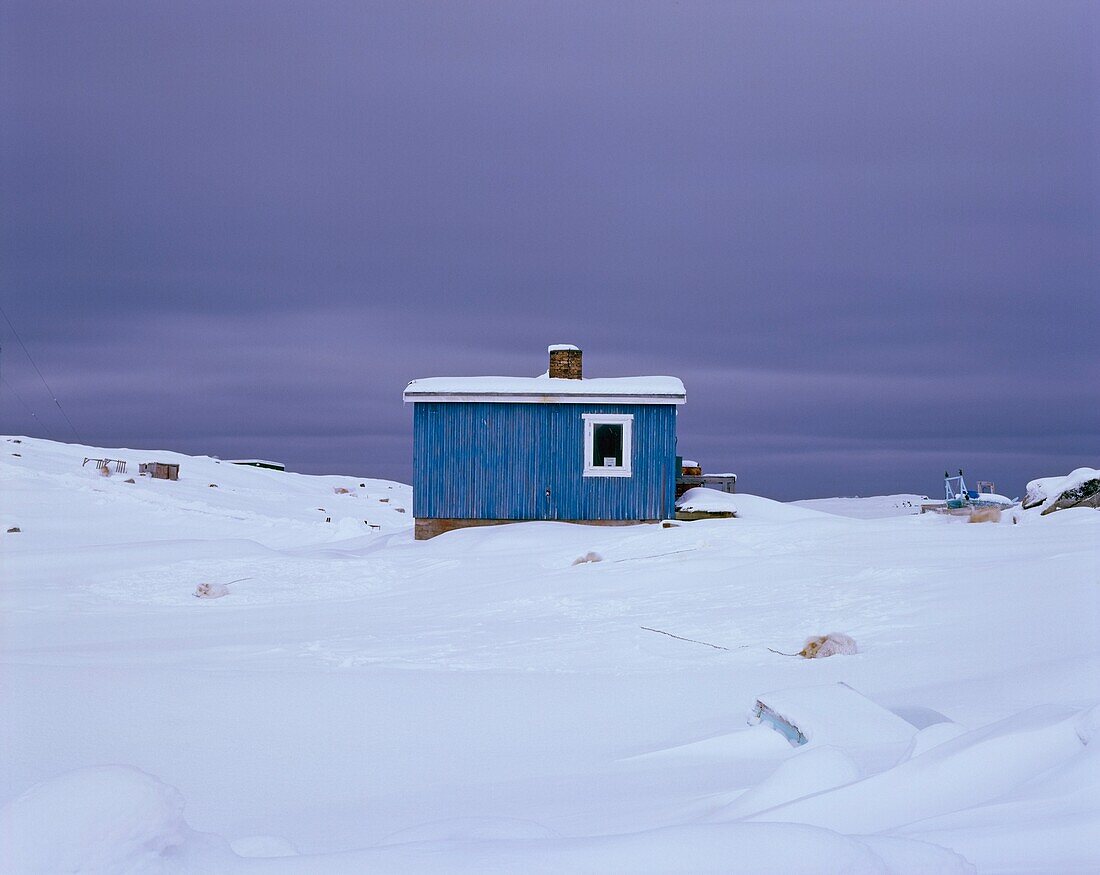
478	702
870	508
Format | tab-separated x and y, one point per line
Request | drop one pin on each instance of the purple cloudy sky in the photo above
866	236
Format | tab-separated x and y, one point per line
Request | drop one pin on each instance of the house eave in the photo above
528	398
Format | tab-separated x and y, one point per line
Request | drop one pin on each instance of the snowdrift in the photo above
102	819
63	825
745	506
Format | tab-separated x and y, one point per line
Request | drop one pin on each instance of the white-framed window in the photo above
607	444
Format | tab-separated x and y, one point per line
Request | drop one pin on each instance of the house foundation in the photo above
429	528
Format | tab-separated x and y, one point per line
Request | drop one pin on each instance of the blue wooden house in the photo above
490	450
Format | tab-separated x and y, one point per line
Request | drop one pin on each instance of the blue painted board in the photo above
525	461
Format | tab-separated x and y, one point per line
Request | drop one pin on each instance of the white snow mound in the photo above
745	506
97	819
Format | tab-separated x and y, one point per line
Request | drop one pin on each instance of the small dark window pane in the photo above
607	445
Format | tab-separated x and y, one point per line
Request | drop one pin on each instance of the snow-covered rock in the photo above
1079	488
833	644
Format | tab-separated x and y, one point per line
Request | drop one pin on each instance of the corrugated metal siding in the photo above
496	461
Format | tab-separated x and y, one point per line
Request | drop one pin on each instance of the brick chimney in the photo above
565	361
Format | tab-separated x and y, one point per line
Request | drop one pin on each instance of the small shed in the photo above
160	470
491	450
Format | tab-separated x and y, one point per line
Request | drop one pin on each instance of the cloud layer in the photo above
867	237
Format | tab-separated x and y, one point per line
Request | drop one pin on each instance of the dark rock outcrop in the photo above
1085	495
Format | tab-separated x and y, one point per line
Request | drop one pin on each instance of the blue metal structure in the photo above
507	461
957	496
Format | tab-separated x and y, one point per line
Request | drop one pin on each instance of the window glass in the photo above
607	445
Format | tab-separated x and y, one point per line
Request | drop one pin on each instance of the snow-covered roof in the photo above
549	390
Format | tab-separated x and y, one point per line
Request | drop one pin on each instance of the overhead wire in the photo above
27	407
30	358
